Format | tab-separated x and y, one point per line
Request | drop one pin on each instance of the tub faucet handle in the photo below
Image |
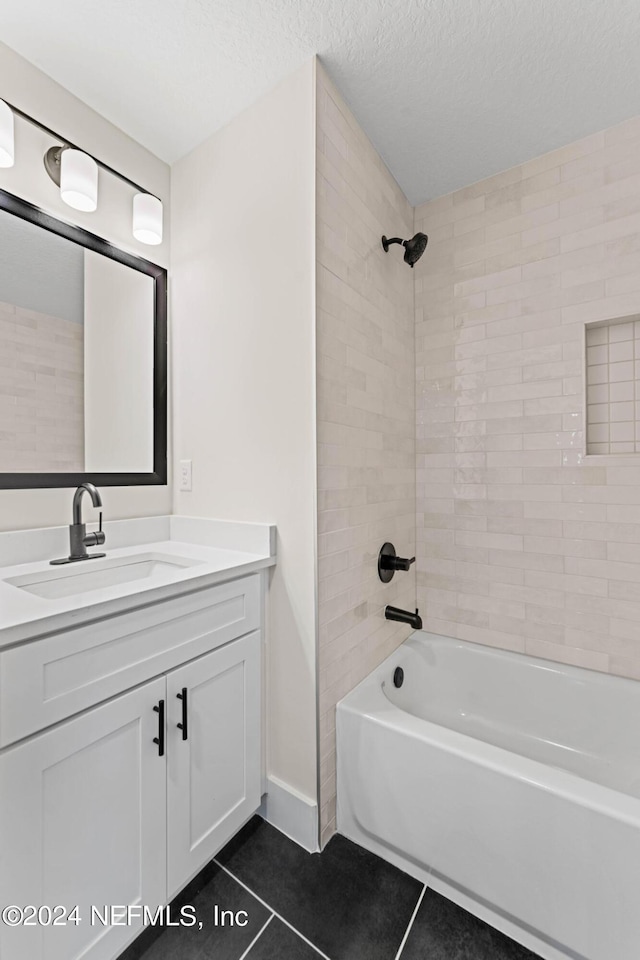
389	562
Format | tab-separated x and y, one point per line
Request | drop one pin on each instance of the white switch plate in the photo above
185	475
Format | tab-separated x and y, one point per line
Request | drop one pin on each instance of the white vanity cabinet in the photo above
83	821
124	802
213	773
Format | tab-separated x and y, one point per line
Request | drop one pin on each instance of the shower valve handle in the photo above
389	562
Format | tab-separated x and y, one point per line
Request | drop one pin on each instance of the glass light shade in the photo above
79	180
147	218
7	138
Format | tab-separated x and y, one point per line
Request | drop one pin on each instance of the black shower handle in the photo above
389	563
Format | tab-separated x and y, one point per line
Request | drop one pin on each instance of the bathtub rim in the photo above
368	700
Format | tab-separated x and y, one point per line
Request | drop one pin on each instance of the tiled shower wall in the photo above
366	413
524	543
613	382
41	392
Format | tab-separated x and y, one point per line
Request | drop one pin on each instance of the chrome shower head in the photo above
413	249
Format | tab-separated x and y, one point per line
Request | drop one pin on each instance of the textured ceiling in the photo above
450	91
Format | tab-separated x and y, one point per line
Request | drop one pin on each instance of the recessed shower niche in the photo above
612	375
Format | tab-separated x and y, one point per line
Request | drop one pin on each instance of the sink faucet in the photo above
78	536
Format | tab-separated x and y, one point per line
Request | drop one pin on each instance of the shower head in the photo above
413	249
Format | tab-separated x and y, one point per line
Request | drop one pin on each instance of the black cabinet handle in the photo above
183	726
159	709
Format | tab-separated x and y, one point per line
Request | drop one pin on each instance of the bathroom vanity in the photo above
130	723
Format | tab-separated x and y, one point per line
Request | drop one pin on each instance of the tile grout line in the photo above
413	916
257	936
274	912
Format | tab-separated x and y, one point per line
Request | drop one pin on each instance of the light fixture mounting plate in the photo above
52	163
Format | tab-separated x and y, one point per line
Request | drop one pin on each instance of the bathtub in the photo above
509	784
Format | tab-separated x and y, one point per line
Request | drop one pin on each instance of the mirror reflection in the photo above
76	357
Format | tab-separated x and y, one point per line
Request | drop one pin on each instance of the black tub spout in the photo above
404	616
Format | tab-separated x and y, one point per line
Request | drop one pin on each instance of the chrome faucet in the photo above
78	536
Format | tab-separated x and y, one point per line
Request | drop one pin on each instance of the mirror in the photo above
83	356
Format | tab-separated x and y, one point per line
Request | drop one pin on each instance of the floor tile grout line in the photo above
413	916
257	936
274	912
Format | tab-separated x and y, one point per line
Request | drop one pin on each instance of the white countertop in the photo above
207	544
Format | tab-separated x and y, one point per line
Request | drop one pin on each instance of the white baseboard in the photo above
291	813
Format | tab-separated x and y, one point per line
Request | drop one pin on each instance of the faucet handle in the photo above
98	537
389	562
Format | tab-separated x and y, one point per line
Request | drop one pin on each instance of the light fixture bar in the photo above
68	143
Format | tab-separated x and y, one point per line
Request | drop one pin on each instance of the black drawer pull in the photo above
159	709
183	726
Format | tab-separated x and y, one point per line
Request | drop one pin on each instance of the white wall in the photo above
244	360
32	91
118	366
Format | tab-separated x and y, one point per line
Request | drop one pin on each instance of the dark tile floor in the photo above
342	904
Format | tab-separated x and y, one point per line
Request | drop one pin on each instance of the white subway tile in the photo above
621	371
565	266
619	447
622	350
622	432
620	331
596	335
366	416
599	374
620	391
597	413
622	411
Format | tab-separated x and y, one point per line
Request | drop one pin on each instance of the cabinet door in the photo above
83	821
213	765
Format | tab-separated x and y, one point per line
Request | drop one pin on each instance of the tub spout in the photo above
404	616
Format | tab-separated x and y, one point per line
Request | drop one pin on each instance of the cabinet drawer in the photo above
47	680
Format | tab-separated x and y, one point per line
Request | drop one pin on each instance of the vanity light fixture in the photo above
76	173
147	218
79	180
7	138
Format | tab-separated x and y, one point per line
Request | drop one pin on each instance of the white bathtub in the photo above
509	784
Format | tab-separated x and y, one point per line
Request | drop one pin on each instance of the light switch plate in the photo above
185	475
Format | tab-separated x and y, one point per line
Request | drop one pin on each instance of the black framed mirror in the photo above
83	357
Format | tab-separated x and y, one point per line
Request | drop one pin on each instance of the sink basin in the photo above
84	577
